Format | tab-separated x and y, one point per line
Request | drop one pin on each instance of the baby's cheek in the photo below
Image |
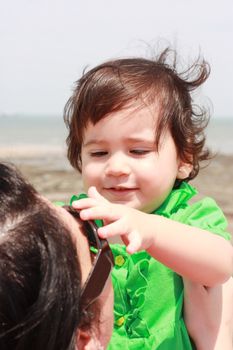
90	175
87	180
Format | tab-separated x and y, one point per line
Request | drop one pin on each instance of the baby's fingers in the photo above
132	240
93	193
101	212
94	199
84	203
135	242
110	230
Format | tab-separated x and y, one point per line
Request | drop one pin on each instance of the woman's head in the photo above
42	254
121	83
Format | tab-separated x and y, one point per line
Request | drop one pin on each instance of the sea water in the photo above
32	130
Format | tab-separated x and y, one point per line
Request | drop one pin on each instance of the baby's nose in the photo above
117	166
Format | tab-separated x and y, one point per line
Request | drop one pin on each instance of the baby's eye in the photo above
139	151
98	153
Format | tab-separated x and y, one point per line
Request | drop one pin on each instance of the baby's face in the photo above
119	158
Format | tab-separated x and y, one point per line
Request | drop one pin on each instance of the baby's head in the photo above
123	83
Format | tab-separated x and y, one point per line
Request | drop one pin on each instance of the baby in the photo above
137	139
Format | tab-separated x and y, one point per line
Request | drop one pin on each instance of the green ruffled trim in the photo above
204	214
176	200
136	326
130	301
175	339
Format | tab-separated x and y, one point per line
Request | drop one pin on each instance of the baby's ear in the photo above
184	170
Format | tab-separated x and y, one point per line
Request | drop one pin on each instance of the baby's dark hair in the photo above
118	84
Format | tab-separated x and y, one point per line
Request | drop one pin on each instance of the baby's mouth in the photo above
121	189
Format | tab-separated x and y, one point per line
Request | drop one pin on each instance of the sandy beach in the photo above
51	174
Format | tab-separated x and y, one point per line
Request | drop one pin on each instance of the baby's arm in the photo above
208	314
197	255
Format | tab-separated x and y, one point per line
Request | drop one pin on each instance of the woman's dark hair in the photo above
40	278
118	84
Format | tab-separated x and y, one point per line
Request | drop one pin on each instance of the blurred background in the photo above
44	47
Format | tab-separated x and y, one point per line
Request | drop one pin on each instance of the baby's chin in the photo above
149	208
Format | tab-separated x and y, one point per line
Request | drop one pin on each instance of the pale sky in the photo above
45	45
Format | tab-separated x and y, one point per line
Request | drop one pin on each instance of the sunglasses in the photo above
102	264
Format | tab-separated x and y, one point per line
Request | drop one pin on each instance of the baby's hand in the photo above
129	223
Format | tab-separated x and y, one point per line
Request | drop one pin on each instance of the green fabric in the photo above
148	295
59	203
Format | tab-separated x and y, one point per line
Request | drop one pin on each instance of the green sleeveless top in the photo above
148	295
